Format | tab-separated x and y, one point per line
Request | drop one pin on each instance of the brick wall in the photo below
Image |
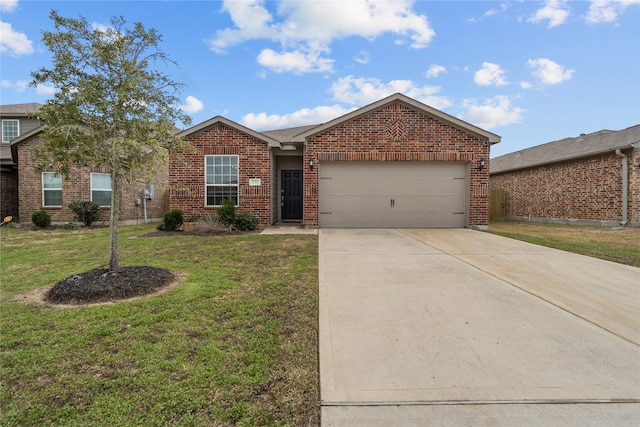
397	132
78	188
186	172
9	194
587	189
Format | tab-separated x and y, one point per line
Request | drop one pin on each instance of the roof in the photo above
219	119
492	138
286	135
16	110
585	145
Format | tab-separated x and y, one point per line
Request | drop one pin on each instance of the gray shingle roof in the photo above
19	109
585	145
286	135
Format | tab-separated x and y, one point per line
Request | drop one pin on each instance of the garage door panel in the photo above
393	194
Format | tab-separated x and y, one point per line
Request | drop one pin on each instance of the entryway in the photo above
291	195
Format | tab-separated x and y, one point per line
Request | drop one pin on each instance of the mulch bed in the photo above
102	285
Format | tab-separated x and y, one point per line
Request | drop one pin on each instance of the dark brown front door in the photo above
291	194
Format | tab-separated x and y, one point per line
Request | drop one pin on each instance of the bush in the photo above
86	212
172	220
246	221
41	218
71	226
227	212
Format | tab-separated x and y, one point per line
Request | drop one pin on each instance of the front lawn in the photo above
617	244
235	343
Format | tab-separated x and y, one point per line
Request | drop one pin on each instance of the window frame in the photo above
44	190
8	141
110	190
236	185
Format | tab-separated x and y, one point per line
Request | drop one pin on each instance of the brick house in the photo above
394	163
17	119
51	192
591	179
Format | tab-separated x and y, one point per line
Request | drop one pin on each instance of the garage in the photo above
393	194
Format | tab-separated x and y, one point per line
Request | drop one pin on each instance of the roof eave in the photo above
460	124
271	143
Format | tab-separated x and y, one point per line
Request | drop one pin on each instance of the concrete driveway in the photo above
460	327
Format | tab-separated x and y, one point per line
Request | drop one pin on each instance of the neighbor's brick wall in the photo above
585	189
78	188
186	172
397	132
9	194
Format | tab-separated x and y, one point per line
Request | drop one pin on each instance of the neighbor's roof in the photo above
492	138
585	145
19	109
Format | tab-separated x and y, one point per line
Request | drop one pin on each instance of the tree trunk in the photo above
114	260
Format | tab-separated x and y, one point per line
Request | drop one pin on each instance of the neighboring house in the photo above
49	191
591	179
394	163
17	119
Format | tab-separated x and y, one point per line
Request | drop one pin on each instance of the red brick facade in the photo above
397	132
588	189
187	174
78	188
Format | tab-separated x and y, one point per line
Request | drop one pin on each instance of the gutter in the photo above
625	186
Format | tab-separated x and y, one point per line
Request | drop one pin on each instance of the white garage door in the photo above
393	194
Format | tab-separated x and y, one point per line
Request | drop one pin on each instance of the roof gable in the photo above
585	145
412	103
271	142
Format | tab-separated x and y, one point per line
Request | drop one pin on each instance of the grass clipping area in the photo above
617	244
235	343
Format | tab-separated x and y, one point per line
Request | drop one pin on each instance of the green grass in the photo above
617	244
234	344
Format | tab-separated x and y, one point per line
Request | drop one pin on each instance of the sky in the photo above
529	71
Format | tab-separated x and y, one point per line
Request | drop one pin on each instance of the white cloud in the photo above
493	112
554	11
435	70
362	57
490	75
296	62
549	72
192	105
21	85
8	5
363	91
308	28
607	10
13	41
504	6
302	117
525	85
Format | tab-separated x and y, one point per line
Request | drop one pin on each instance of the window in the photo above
51	189
221	179
10	130
101	188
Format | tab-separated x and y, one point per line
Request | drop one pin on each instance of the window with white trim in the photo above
51	189
221	179
10	130
101	188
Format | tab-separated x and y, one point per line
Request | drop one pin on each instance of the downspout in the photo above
625	186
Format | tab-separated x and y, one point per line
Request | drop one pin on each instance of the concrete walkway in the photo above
460	327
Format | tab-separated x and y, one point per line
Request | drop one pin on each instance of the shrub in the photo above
71	226
172	220
211	223
227	212
41	218
246	221
86	212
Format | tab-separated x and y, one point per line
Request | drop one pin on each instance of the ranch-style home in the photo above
591	179
394	163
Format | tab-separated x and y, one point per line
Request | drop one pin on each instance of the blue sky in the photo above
530	71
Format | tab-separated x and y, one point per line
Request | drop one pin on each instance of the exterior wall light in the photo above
311	163
481	166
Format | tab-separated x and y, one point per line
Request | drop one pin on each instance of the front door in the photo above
291	194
